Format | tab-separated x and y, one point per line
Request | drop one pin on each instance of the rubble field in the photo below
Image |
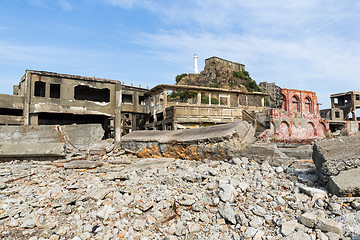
118	196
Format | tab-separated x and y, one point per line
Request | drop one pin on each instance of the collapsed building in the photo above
47	98
342	114
297	119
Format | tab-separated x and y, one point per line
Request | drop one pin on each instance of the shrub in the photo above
179	77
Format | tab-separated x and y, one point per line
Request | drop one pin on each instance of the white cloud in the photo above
63	4
321	64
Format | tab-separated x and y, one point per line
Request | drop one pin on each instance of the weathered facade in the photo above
342	114
298	118
275	99
176	106
46	98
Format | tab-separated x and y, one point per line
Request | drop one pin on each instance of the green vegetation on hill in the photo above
250	84
179	77
215	83
181	96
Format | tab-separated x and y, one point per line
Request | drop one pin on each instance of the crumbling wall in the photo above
299	117
217	142
337	162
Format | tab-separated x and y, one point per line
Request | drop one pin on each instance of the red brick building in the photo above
298	118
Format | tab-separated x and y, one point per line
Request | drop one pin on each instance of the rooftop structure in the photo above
342	114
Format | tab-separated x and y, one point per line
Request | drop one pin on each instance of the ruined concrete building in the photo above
275	99
298	118
46	98
177	106
342	114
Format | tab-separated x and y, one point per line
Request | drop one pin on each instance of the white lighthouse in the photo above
195	63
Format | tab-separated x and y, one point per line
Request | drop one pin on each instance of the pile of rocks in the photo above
116	196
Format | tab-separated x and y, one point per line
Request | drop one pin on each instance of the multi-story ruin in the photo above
342	114
46	98
178	106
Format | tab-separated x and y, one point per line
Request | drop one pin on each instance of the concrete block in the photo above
332	156
308	219
222	141
328	225
32	150
345	183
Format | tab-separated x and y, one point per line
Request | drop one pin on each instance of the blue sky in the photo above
311	45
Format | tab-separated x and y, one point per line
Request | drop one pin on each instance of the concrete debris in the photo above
214	143
32	150
82	164
346	183
80	136
338	164
121	196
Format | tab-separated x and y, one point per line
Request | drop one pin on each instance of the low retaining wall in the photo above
219	142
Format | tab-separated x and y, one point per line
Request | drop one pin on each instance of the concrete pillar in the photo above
209	98
133	122
199	98
165	103
34	119
165	97
262	102
27	97
246	101
353	99
117	120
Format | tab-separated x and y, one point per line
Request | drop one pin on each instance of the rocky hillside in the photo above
219	76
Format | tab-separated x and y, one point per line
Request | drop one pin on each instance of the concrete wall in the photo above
80	135
222	62
67	102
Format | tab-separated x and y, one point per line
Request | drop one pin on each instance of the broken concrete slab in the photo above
82	135
102	147
262	152
331	156
214	143
82	164
32	150
346	183
338	164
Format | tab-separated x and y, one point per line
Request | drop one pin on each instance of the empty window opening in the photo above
295	104
337	114
127	99
308	104
159	116
11	112
92	94
39	89
55	90
357	97
336	100
142	100
223	100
